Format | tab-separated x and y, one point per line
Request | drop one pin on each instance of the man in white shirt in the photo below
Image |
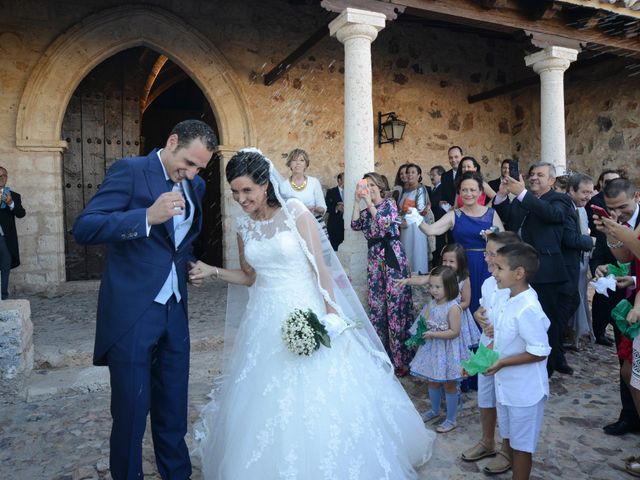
520	337
490	304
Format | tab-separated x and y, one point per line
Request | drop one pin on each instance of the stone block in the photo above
16	339
48	244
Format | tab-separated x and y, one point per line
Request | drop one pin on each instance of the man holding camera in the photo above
10	208
538	214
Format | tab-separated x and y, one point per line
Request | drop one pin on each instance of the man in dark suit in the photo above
601	305
148	210
10	209
575	243
538	216
619	195
335	210
504	172
448	179
435	196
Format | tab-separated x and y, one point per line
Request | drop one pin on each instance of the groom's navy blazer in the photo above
137	266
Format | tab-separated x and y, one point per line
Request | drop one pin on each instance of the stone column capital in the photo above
354	23
551	59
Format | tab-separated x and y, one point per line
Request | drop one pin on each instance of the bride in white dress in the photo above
339	413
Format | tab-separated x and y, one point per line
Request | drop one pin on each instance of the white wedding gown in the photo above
337	414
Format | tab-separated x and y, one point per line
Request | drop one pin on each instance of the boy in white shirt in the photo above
520	337
490	302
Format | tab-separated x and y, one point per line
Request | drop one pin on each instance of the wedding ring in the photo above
174	204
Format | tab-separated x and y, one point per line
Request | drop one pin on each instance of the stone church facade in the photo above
68	109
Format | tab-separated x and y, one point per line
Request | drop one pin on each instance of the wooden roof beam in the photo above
509	18
282	67
535	79
598	5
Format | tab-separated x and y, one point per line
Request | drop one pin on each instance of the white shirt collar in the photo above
164	170
634	218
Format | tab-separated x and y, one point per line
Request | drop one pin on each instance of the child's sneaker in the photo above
446	426
429	415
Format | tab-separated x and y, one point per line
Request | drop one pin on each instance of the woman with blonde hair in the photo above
304	187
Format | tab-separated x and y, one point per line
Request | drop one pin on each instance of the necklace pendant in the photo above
297	187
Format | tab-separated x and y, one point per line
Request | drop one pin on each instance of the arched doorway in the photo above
126	106
72	56
176	97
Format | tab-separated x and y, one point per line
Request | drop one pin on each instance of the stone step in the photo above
49	357
85	379
44	383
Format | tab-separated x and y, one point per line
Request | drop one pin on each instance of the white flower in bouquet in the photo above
303	333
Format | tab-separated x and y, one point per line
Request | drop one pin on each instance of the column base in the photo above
352	253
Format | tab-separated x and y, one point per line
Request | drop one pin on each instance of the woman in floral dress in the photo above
390	304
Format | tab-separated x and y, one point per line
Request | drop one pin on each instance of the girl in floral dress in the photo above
439	359
390	304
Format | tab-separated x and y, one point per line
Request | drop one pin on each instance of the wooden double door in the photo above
101	125
104	122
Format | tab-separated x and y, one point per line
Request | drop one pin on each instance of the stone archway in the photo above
77	51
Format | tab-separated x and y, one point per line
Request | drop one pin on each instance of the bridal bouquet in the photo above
303	333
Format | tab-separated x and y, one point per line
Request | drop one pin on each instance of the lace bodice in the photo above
273	250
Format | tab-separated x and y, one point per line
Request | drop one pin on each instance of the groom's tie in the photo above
181	224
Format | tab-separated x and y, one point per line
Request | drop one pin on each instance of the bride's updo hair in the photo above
252	164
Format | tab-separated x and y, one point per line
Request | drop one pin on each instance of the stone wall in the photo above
602	120
423	73
16	343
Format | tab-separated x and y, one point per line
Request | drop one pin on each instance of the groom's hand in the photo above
165	207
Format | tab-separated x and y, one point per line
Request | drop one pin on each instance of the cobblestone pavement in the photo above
62	433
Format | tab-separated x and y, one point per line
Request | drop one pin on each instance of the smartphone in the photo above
514	170
601	212
362	187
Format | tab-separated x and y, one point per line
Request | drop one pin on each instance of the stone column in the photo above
230	211
551	63
356	29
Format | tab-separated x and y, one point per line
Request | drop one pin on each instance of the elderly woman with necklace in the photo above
304	187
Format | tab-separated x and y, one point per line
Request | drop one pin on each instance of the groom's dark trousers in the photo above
144	343
151	361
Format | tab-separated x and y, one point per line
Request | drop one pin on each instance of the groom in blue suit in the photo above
148	210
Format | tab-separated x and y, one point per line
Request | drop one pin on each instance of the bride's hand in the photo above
199	271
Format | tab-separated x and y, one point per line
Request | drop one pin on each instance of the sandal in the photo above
480	450
632	466
429	415
446	426
500	464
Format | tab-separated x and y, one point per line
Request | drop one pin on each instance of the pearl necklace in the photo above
296	187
